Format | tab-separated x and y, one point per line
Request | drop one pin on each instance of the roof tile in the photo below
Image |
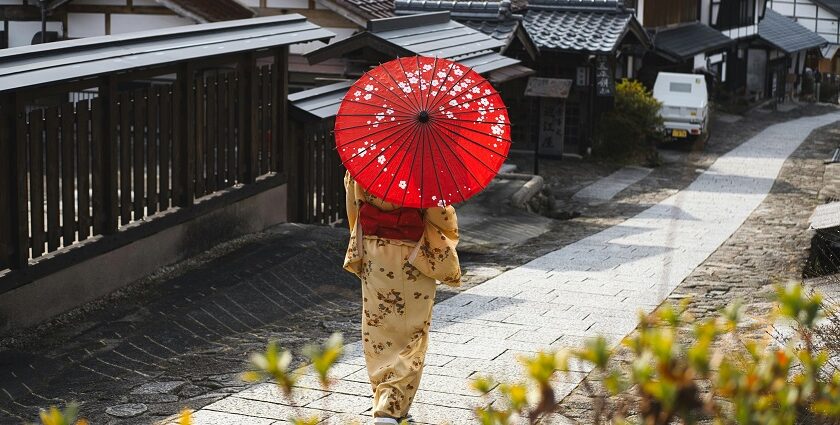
458	9
500	30
210	10
369	9
576	30
786	34
685	41
576	5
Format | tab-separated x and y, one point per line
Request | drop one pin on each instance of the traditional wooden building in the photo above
20	23
738	20
588	43
181	143
787	45
682	39
823	18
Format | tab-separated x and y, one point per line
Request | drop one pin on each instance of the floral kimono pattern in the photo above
398	290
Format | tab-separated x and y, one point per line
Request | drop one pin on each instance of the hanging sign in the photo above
548	87
582	76
604	83
552	127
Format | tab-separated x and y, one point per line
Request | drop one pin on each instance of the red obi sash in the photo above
401	223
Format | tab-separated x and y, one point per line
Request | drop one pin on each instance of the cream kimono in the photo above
398	290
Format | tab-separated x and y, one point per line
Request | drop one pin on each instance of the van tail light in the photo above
695	131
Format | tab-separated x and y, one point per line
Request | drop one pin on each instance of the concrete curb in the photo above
533	186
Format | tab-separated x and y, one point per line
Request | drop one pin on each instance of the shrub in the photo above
776	385
633	127
773	385
68	416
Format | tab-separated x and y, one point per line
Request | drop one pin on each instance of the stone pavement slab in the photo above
644	258
606	188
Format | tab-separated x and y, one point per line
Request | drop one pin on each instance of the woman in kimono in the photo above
398	253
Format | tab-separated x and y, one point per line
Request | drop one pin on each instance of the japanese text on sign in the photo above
603	77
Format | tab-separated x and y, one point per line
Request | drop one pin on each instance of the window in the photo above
680	87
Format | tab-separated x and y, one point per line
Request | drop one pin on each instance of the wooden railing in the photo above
74	167
320	177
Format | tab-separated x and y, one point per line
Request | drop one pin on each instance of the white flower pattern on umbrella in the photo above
461	106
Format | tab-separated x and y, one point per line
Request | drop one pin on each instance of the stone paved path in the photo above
594	286
606	188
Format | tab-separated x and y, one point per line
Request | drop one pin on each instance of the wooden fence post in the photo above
248	122
105	200
292	167
280	126
183	187
14	235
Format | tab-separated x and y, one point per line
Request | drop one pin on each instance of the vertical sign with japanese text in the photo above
552	127
604	83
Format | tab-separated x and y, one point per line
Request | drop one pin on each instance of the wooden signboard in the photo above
548	87
552	128
604	83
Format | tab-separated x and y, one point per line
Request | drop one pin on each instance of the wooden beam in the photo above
137	10
14	229
183	149
23	13
349	14
321	17
105	204
280	112
248	95
55	4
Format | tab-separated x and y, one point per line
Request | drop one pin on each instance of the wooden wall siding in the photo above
811	16
91	166
661	13
320	182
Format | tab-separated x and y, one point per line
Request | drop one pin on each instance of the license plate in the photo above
679	133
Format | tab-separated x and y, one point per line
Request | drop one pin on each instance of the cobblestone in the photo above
675	244
770	247
196	322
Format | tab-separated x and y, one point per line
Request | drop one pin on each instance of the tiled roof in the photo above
210	10
500	30
587	31
576	5
832	5
458	9
318	103
82	58
787	35
685	41
493	17
369	9
430	34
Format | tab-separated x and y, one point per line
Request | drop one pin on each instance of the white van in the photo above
685	103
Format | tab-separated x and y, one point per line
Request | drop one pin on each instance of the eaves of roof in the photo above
683	42
596	32
69	60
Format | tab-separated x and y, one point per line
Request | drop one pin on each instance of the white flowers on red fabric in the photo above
441	128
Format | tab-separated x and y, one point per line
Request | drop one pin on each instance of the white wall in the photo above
123	23
85	25
705	16
21	33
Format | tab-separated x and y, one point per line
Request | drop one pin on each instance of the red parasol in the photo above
422	132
